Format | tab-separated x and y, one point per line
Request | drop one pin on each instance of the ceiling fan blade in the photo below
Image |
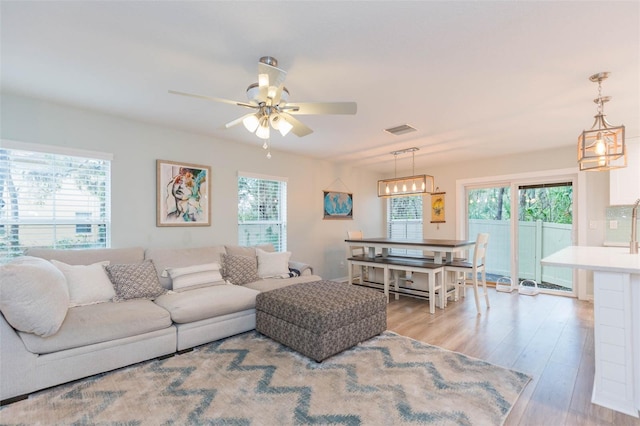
211	98
299	129
309	108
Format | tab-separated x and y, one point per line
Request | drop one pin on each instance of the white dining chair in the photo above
466	273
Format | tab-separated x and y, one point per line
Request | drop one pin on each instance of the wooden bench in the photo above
434	272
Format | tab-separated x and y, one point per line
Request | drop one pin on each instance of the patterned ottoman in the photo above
321	318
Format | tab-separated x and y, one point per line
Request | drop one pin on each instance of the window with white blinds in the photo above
262	210
404	220
53	200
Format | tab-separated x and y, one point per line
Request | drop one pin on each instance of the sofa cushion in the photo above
33	295
195	276
274	264
164	258
86	325
135	281
207	302
87	284
239	270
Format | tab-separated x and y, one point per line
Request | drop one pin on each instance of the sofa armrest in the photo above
304	268
17	365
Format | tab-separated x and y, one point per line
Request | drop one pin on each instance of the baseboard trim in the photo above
14	399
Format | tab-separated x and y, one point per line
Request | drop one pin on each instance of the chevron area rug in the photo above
250	379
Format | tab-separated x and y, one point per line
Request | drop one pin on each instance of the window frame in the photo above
281	222
416	234
55	224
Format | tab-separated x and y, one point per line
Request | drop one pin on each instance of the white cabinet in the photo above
616	322
624	184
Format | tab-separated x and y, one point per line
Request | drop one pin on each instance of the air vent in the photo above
400	130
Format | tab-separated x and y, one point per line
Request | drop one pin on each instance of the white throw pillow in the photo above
195	276
88	284
33	295
273	264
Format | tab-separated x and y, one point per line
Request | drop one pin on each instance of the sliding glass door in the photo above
489	211
545	226
526	220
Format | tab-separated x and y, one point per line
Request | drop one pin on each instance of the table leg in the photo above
386	281
396	282
432	293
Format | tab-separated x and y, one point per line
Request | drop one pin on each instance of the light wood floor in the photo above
547	337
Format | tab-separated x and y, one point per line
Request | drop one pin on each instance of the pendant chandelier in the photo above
602	147
408	185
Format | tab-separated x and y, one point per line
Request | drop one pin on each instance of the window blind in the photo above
262	211
404	220
53	200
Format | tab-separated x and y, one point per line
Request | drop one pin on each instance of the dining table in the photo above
442	249
431	265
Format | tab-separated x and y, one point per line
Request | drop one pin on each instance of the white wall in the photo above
136	146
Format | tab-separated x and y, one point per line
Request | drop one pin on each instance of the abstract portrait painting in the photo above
182	194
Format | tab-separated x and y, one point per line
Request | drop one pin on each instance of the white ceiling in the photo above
475	78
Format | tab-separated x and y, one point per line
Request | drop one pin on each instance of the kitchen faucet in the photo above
633	245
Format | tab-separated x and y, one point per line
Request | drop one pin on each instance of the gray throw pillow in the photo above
240	270
135	281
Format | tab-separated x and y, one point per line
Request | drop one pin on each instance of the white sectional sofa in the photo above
98	337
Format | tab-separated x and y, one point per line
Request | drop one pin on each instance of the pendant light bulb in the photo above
601	146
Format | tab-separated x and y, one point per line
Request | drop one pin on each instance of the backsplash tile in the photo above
622	214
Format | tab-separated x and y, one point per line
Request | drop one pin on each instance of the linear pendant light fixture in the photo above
408	185
602	147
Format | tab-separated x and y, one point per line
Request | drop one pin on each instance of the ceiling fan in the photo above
269	100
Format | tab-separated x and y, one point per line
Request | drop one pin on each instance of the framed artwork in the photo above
437	207
182	194
337	205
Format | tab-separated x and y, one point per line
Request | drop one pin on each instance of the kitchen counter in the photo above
616	298
612	259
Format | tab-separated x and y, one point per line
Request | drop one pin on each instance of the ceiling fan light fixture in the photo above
275	120
251	122
263	130
284	127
